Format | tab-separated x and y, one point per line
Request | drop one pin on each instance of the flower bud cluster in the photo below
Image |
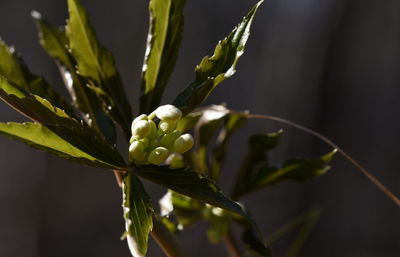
150	144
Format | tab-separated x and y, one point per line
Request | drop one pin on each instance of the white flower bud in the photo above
153	144
145	142
167	126
183	143
158	155
168	140
136	151
138	118
168	112
153	130
141	129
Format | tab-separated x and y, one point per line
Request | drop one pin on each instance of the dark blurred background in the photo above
331	65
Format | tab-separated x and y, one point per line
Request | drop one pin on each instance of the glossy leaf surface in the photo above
58	133
63	142
189	183
55	42
15	71
137	213
96	64
215	69
163	40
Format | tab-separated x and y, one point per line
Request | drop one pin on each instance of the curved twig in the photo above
374	180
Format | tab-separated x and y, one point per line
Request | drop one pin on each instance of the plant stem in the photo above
166	240
119	176
231	245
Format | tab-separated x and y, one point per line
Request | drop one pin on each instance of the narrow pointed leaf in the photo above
60	134
294	169
304	233
163	40
254	244
96	64
63	142
137	213
189	183
213	70
55	42
14	70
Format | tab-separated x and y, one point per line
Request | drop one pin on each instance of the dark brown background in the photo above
332	65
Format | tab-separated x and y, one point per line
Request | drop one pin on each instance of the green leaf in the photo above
304	233
206	128
163	40
254	244
259	145
232	123
14	70
189	183
188	122
60	134
186	209
64	143
96	64
137	213
293	169
306	220
55	42
213	70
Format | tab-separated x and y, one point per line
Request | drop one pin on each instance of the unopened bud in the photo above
183	143
136	151
158	155
168	112
145	142
141	129
153	144
167	126
138	118
168	140
153	130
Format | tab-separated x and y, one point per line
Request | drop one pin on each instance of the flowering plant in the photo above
161	146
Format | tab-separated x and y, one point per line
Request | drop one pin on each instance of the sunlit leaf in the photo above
96	64
14	70
137	213
64	143
213	70
58	133
163	40
55	42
